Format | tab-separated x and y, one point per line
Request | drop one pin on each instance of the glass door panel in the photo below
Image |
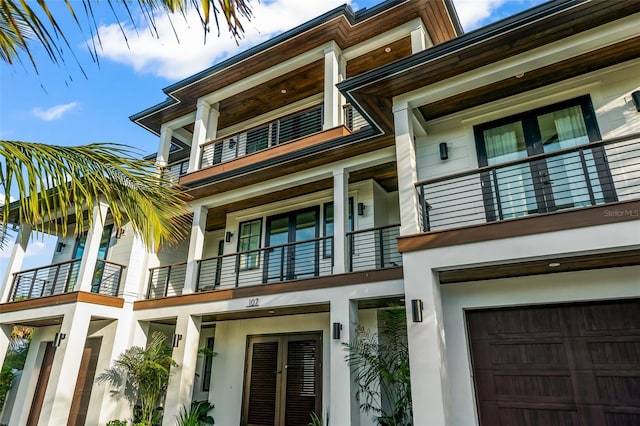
294	258
305	254
511	186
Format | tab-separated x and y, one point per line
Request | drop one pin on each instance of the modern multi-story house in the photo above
489	181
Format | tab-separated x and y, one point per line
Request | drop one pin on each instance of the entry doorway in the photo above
283	380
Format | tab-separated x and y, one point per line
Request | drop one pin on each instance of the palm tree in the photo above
141	375
21	24
55	185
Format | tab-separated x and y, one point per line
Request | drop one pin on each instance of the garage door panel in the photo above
531	354
516	324
581	367
529	414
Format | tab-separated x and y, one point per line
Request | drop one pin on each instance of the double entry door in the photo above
292	246
283	383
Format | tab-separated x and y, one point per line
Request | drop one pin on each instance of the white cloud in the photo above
55	112
163	55
166	57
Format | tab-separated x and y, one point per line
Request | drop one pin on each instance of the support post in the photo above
332	76
407	172
196	248
15	261
180	386
343	404
340	220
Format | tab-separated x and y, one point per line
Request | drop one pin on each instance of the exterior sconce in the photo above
444	151
58	338
361	208
337	327
228	236
120	232
175	342
416	310
636	99
60	246
232	143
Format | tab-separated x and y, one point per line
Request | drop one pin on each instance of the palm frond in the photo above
21	25
55	185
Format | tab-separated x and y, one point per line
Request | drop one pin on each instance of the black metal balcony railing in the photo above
305	259
352	118
62	278
369	249
597	173
166	280
172	172
277	132
375	248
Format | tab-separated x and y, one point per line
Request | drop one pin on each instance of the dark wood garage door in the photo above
561	365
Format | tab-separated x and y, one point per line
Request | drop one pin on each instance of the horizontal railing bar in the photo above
240	253
530	159
52	265
166	266
362	231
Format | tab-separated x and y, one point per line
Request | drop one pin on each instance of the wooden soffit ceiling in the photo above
433	13
467	53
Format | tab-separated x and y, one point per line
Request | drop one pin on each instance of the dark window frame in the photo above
242	259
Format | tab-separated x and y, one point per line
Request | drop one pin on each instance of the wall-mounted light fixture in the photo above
232	143
120	232
444	151
416	310
58	338
228	236
636	99
175	342
361	208
337	327
60	246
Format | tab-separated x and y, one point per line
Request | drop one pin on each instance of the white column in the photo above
91	248
340	220
418	40
343	403
427	357
196	248
15	261
65	367
27	384
180	386
212	125
201	130
332	97
407	172
5	339
162	159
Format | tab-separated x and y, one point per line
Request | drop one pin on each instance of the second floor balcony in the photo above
368	250
62	277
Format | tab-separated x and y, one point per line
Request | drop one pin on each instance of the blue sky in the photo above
58	105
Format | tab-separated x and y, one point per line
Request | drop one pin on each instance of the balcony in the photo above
62	277
278	132
370	249
588	175
352	119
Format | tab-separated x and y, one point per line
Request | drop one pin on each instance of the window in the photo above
249	241
558	182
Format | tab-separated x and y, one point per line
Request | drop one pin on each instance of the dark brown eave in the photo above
537	27
339	25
